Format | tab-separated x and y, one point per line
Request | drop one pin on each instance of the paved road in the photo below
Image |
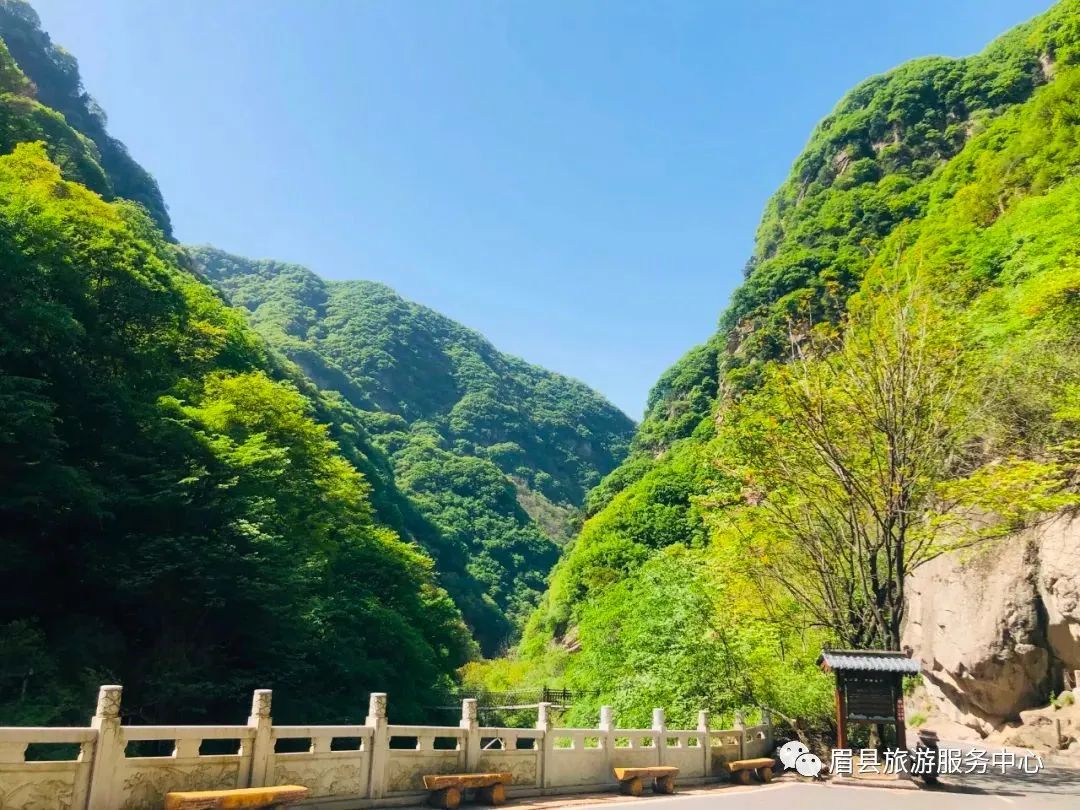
1052	787
1048	782
800	795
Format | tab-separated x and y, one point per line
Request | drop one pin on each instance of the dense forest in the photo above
97	160
186	512
496	453
219	473
177	515
896	376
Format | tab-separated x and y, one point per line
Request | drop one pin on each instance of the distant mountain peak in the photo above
497	452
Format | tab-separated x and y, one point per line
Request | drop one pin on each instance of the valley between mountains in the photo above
222	473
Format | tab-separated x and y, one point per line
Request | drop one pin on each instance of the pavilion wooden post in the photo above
841	714
901	726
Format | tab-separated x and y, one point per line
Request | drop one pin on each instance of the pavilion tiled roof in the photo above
868	661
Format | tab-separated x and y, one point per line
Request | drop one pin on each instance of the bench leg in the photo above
765	775
447	798
664	784
493	795
742	777
631	787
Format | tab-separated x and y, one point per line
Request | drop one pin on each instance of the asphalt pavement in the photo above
791	795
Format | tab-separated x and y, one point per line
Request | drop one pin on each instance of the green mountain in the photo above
498	454
944	194
180	511
219	474
79	143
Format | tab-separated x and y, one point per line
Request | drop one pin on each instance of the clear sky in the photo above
579	181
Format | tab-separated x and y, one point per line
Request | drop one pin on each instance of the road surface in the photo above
790	795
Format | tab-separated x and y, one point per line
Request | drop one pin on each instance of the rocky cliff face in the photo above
998	629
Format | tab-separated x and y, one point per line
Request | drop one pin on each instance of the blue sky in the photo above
579	181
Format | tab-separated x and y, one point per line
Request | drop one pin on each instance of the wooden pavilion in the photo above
869	689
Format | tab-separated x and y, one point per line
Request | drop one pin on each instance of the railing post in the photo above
13	753
106	771
740	726
659	723
380	744
262	739
547	742
471	724
766	721
607	736
704	741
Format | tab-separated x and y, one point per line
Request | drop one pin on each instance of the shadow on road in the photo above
1060	781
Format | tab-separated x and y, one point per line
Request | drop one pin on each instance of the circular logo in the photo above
791	751
808	765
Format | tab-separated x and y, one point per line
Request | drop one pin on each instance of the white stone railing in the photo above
375	764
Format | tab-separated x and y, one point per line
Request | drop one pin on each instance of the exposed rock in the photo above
1047	66
924	712
997	629
1045	729
1059	589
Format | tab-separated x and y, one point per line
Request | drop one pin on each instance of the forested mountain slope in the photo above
180	511
496	452
54	74
935	207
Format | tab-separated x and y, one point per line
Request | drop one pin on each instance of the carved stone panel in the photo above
145	789
406	773
35	792
522	769
324	778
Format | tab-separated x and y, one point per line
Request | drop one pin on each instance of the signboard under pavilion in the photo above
869	689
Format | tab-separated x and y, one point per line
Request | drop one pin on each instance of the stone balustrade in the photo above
112	766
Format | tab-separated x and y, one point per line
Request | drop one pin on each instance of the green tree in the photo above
174	516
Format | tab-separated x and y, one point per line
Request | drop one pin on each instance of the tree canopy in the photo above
498	454
175	515
805	437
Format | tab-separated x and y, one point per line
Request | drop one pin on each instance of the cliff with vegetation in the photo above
221	474
182	511
496	453
895	379
67	118
343	488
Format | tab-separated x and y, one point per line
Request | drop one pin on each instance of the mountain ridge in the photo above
519	446
183	511
924	177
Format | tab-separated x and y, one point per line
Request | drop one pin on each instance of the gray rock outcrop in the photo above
997	628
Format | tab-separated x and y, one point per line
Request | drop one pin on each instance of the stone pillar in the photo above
380	744
546	743
607	735
262	739
766	721
659	723
13	753
704	741
740	728
471	725
106	773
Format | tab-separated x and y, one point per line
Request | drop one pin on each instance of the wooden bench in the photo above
247	798
742	768
630	779
445	789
